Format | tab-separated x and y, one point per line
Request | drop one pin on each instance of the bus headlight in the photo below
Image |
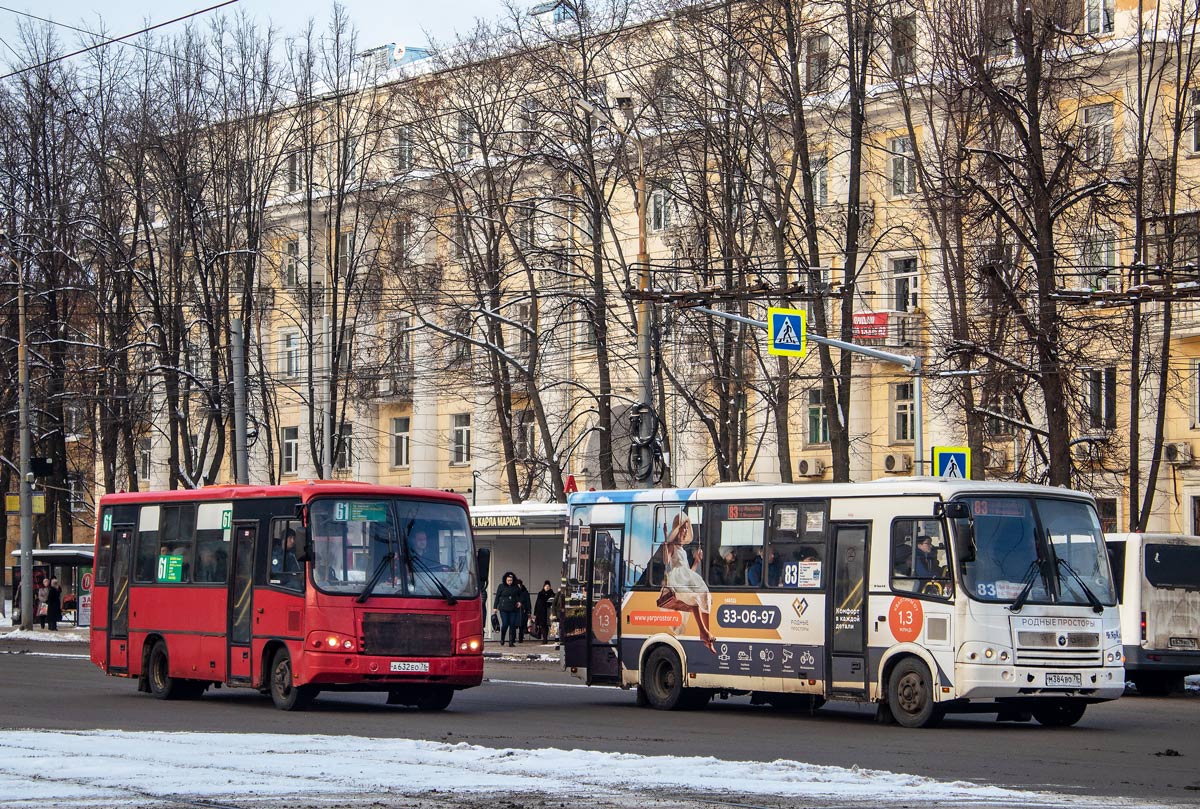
331	642
470	645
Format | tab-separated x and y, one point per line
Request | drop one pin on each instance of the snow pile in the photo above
72	635
115	768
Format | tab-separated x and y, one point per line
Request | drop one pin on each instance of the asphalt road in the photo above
1147	749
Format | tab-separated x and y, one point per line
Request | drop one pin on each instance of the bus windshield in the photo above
1050	550
391	547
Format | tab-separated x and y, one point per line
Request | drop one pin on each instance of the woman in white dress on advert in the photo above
684	588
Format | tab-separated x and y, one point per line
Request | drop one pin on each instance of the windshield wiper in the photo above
424	568
376	576
1030	578
1097	607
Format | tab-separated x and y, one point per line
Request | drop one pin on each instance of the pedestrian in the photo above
507	605
541	612
526	609
53	604
560	612
42	609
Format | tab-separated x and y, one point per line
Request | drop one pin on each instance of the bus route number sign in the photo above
358	511
170	569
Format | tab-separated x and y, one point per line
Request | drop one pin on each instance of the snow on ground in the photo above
116	768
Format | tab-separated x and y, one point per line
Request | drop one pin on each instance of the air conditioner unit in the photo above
810	467
994	459
897	462
1177	452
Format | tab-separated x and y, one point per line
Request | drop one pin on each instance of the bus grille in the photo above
1059	650
407	635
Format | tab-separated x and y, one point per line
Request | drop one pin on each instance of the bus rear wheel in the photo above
1060	713
910	695
662	681
1157	684
286	695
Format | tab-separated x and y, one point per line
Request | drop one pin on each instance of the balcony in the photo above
396	386
887	328
1186	318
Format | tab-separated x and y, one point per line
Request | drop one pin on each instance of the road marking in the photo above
536	682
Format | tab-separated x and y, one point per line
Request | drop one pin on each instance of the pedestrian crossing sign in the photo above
952	462
787	330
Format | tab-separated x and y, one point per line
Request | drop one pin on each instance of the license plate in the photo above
403	665
1182	643
1064	680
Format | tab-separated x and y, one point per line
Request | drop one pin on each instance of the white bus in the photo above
926	596
1158	586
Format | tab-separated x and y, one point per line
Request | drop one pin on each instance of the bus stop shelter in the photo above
71	564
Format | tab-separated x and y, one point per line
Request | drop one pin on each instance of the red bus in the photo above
292	589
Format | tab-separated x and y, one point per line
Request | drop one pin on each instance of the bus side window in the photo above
795	546
735	545
1116	559
286	570
176	538
639	548
146	560
919	558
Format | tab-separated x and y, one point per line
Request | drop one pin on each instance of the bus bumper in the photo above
380	673
991	681
1168	662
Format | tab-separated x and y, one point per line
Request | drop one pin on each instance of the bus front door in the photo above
118	600
603	607
846	613
241	598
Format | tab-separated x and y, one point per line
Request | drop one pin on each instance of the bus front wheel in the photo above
1060	713
286	695
910	695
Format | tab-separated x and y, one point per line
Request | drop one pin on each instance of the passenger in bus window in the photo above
724	572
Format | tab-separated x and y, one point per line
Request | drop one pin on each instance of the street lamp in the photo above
647	425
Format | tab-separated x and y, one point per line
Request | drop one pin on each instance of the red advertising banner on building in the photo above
871	325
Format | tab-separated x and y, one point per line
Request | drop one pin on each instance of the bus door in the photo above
118	599
846	613
603	603
241	598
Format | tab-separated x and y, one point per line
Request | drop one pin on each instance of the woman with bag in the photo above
541	612
43	601
53	604
507	604
683	587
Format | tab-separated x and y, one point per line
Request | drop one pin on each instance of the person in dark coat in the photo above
541	612
507	604
526	609
53	604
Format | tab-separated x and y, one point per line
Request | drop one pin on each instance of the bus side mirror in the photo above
483	560
303	549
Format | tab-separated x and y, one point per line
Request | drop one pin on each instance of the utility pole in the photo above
24	474
239	401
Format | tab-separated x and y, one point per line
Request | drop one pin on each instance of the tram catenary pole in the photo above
912	363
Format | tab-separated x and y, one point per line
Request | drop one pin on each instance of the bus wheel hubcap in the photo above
911	693
283	679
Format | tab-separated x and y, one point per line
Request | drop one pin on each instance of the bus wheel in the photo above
1157	684
662	680
1060	713
286	695
162	684
910	695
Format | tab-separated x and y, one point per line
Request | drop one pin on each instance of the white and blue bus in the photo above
926	596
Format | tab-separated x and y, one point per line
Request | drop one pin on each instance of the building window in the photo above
904	45
659	210
818	420
1099	16
460	438
401	240
290	359
904	166
903	423
526	432
1100	260
401	439
289	442
1195	111
76	494
350	159
402	348
816	63
145	458
529	121
996	27
1196	394
524	320
462	342
345	252
291	263
1008	408
1097	134
343	454
1101	398
818	165
295	170
404	149
904	284
1106	510
458	238
465	137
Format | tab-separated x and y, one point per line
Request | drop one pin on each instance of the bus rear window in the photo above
1175	566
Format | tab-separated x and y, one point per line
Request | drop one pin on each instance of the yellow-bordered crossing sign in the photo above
788	332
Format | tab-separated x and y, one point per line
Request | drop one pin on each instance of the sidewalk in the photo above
531	650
